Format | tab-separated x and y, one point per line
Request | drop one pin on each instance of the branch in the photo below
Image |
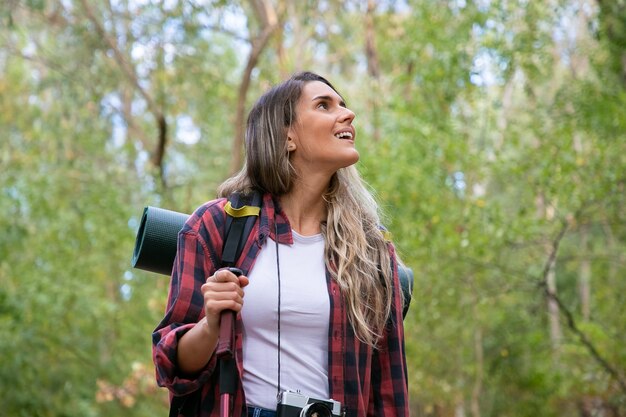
131	76
127	69
569	317
53	66
215	28
267	16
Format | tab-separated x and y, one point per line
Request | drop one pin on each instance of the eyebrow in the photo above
329	98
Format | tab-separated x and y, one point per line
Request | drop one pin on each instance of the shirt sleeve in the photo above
389	396
185	307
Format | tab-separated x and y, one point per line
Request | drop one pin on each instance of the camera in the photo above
294	404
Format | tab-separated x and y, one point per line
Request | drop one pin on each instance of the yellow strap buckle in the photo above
241	211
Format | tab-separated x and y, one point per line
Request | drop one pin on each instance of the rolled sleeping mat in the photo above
157	238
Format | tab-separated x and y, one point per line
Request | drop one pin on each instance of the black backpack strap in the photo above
239	222
405	275
242	212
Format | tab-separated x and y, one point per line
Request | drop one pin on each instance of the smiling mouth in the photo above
344	135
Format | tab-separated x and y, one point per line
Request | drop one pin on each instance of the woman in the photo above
322	316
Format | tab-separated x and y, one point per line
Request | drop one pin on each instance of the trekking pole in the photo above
226	357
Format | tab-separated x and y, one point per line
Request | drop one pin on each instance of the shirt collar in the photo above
272	218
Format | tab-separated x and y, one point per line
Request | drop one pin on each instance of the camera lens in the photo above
316	410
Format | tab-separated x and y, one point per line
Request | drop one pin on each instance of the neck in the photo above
305	208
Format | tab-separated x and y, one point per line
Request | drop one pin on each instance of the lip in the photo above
347	129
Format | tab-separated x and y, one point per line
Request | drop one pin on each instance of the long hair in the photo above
356	253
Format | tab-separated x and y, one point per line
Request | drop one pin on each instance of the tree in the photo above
493	133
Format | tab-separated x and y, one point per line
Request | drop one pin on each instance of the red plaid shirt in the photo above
368	382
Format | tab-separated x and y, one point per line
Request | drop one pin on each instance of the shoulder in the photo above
208	217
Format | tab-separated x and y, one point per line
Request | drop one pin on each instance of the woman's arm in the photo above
185	340
185	309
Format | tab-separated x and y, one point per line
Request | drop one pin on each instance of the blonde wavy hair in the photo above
356	253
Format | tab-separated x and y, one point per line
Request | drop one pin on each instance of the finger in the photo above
223	275
216	307
243	281
221	290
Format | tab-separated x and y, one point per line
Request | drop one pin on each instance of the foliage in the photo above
493	134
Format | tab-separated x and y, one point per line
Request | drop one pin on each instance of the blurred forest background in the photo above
494	132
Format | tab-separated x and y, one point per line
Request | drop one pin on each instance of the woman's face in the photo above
321	140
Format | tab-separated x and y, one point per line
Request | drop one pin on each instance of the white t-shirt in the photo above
304	312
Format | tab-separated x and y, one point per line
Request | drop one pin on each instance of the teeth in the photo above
344	135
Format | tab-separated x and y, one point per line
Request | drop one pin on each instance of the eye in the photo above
322	105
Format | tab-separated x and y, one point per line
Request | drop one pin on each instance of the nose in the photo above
346	115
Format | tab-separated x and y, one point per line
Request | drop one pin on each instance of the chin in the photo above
352	160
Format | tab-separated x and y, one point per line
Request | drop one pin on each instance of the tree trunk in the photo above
584	279
266	14
579	65
373	66
479	360
459	409
556	334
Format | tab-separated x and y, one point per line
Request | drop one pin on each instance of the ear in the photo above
291	144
